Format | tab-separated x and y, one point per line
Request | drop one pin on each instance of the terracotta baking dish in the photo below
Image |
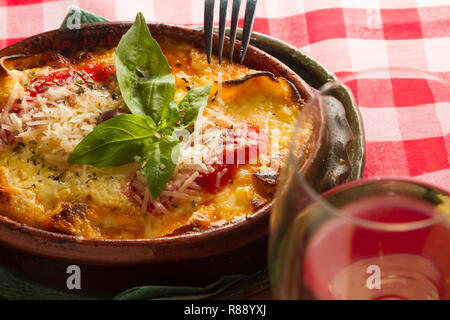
190	259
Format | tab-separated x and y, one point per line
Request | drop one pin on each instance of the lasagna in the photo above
228	163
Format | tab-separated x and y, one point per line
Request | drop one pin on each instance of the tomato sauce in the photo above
233	157
86	74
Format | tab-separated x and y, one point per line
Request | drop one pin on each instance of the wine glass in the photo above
373	238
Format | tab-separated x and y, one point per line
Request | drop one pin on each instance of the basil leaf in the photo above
170	115
115	142
191	104
160	162
145	80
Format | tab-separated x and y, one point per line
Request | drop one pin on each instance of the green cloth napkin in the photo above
77	15
14	287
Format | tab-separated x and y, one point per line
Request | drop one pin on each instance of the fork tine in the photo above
222	20
234	22
208	27
248	25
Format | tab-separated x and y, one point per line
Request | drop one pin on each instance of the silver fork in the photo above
248	25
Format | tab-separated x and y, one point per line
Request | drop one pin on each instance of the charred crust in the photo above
83	56
181	230
251	76
295	91
22	62
266	180
196	223
258	202
267	177
56	60
70	213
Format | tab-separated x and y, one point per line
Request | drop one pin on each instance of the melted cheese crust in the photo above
38	187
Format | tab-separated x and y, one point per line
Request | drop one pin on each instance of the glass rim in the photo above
318	198
375	225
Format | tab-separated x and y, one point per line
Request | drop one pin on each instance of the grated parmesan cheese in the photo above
180	195
189	181
219	177
59	117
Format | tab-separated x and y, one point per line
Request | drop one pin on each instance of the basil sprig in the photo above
143	73
148	89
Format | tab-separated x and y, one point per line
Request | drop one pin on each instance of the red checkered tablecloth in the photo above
344	35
